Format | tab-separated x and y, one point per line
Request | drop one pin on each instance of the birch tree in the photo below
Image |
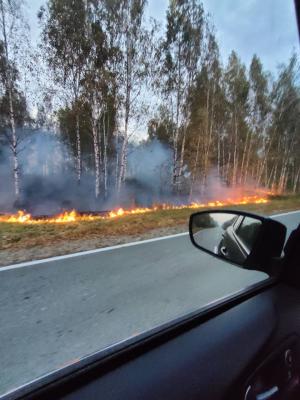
12	29
181	55
132	73
207	116
67	48
259	118
237	90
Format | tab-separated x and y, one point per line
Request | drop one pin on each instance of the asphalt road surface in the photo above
209	238
53	312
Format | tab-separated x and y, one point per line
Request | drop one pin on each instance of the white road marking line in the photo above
95	251
87	252
286	213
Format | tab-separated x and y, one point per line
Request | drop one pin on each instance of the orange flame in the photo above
73	216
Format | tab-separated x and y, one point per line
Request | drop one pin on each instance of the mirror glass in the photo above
227	235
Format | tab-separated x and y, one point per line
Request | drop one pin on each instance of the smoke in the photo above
150	165
217	189
49	186
48	179
6	181
148	177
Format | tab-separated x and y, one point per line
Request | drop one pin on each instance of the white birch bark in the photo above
105	156
182	156
9	87
195	169
123	159
124	148
296	180
206	139
210	117
78	151
95	119
247	159
97	161
235	153
176	136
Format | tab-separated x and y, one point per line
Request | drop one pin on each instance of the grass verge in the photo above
17	236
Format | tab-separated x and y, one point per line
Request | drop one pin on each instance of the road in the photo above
55	311
209	238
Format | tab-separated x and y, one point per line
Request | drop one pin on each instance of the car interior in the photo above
246	346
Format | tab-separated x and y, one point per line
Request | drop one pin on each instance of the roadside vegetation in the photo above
84	235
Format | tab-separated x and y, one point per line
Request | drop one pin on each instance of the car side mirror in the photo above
249	240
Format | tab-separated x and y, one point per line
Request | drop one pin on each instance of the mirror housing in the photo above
264	237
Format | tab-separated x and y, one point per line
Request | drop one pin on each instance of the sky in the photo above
265	27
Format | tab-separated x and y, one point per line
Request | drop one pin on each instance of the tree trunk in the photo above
16	168
105	155
175	152
176	135
195	168
8	84
206	139
235	153
117	167
241	180
269	178
210	130
78	150
260	173
182	156
248	159
123	159
223	159
296	180
124	149
97	162
95	120
228	167
274	180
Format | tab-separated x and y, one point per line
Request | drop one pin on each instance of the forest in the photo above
113	107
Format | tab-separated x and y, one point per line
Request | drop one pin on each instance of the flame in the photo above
22	217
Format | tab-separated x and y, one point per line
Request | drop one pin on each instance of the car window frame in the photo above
237	223
243	247
240	239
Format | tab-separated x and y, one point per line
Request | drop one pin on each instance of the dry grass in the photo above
18	236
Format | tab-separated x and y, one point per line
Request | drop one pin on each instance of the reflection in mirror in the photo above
227	235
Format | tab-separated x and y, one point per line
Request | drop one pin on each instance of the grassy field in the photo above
21	236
